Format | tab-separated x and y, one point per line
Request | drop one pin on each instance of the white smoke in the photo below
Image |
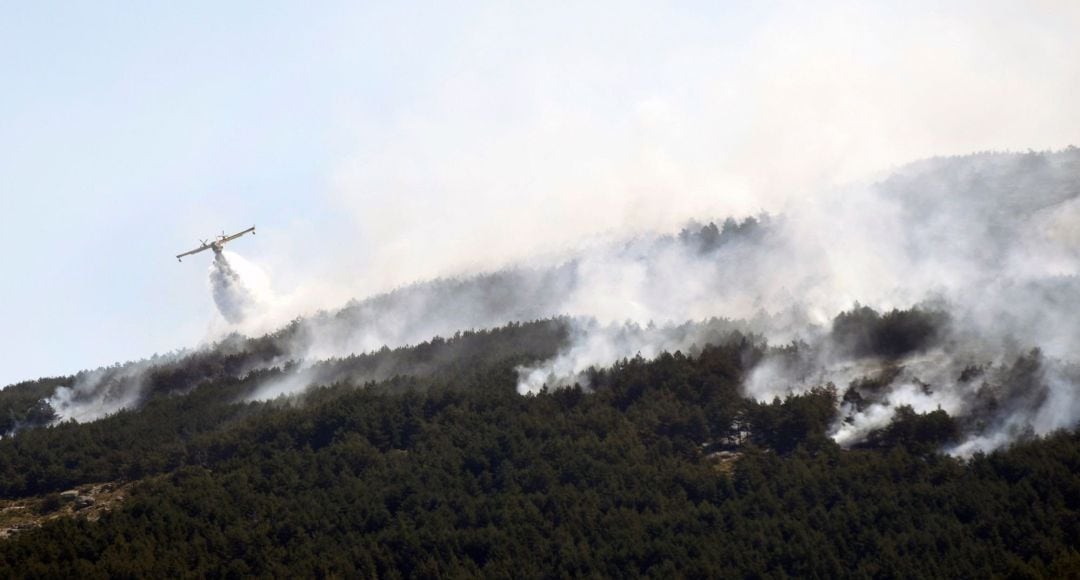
101	392
535	130
594	345
987	239
654	283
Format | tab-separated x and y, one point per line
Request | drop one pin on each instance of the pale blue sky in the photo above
375	143
127	130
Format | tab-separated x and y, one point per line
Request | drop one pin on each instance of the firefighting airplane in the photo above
217	244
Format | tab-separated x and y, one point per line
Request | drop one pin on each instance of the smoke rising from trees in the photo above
905	285
949	285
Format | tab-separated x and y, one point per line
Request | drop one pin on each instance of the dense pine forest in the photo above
658	468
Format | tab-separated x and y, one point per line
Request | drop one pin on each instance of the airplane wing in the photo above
195	251
237	235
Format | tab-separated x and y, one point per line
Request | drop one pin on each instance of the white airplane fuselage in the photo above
217	245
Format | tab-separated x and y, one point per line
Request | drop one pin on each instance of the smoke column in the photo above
985	244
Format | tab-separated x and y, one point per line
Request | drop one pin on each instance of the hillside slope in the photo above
664	467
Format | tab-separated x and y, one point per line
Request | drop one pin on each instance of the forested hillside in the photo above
661	468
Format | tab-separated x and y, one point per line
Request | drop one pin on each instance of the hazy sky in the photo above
377	143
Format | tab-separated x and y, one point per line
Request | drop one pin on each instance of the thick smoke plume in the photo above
928	290
983	246
949	285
